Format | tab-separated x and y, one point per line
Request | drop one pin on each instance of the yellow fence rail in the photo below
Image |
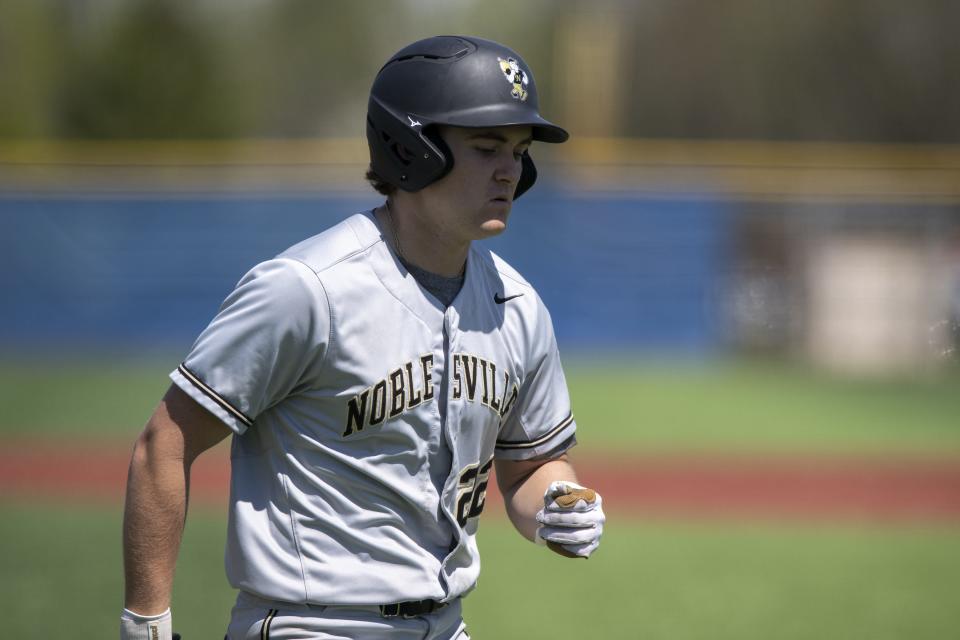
733	169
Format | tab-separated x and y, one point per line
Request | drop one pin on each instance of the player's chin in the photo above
496	214
493	226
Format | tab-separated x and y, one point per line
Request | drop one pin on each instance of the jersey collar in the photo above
399	281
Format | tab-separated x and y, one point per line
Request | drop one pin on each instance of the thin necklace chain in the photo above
396	238
393	229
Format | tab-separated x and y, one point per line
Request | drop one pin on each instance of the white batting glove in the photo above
134	626
571	521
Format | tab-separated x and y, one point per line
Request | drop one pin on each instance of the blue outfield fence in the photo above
134	272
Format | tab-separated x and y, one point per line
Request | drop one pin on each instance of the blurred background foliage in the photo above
850	70
750	246
813	146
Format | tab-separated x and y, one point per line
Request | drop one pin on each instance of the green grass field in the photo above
61	573
724	406
759	406
61	566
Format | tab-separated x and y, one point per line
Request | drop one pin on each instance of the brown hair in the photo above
379	184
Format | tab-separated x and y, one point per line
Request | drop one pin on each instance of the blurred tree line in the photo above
867	70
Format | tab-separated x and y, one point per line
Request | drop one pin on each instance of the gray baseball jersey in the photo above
367	416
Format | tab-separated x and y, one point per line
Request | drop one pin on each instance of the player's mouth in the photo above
501	204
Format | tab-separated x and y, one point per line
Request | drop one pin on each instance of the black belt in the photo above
410	609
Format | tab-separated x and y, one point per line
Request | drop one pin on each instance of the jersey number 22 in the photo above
472	491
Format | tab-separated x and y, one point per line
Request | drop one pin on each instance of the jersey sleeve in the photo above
541	424
266	343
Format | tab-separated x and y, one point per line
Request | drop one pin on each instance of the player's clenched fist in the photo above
571	521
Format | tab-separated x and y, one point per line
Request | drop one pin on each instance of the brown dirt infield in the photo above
797	488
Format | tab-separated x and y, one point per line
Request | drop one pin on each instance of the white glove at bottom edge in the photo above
134	626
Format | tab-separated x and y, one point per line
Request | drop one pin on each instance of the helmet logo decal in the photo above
413	123
515	76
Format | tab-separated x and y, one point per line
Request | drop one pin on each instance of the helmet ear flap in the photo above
432	133
528	175
403	155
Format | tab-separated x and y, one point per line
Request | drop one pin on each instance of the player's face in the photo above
473	201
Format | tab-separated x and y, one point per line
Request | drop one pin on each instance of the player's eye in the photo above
486	150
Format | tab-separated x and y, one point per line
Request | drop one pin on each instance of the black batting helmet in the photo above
453	80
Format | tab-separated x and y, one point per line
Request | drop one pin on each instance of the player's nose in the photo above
508	169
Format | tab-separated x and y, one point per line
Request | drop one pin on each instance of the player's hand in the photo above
133	626
571	521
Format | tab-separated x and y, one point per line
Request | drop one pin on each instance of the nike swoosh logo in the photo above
499	300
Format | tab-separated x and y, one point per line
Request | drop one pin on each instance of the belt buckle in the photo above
402	609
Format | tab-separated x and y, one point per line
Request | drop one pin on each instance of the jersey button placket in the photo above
451	408
450	342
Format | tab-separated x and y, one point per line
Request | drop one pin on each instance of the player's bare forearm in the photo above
152	523
156	502
523	483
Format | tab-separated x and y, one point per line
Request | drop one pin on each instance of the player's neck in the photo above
424	245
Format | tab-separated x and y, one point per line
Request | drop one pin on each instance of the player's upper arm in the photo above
180	428
511	473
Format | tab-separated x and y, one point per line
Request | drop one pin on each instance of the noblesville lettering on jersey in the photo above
473	374
391	396
474	379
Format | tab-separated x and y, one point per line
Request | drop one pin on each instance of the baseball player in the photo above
373	378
